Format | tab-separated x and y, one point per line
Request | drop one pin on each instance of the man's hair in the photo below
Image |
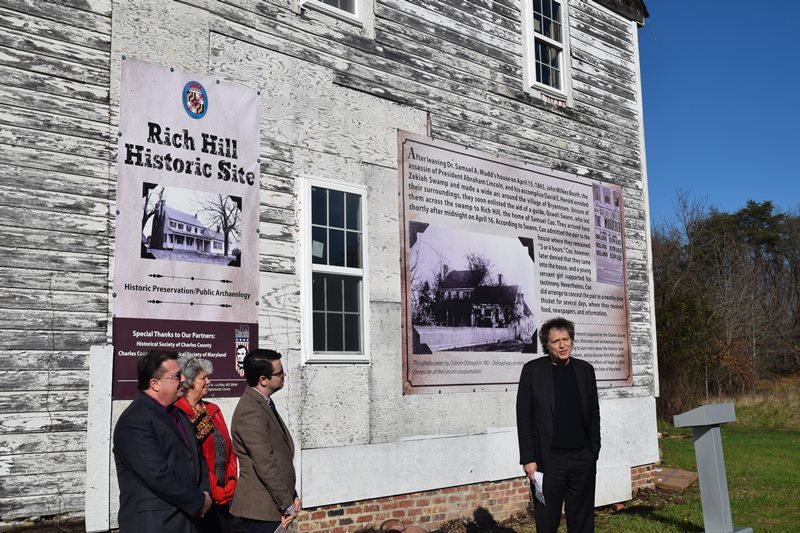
240	347
259	363
149	366
555	323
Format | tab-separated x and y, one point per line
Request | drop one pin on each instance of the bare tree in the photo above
225	215
151	203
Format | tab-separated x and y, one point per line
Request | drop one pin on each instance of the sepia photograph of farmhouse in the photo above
192	226
471	292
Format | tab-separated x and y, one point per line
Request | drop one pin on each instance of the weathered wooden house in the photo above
550	83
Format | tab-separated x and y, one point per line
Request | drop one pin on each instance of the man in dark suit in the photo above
558	425
265	495
163	483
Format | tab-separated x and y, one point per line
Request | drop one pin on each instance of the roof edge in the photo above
634	10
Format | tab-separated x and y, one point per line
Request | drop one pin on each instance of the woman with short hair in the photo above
211	434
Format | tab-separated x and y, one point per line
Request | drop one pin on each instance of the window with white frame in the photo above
546	31
335	284
344	9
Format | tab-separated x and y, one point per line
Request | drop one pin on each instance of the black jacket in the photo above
161	478
536	409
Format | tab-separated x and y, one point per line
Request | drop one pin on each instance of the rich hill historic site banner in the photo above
491	249
186	257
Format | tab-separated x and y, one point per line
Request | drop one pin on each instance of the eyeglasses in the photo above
281	373
174	377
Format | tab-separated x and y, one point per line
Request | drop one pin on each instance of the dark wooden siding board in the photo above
600	15
261	39
60	264
42	442
27	238
35	485
86	212
615	34
57	31
63	14
51	300
42	360
69	108
42	320
56	280
23	157
67	499
608	69
440	114
393	10
53	67
26	380
44	464
71	53
98	7
56	143
475	22
498	10
26	79
38	401
596	78
18	178
520	137
41	120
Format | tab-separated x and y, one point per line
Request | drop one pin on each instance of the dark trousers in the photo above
220	520
569	479
259	526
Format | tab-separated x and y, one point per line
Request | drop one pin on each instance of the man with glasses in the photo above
265	495
163	482
558	425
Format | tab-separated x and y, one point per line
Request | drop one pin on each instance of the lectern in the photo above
705	421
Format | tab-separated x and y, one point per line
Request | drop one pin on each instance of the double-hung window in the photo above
335	293
547	60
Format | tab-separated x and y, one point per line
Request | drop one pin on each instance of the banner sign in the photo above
186	255
491	248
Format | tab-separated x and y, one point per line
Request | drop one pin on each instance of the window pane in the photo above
318	292
353	211
319	206
319	332
353	249
319	241
352	294
335	333
333	292
352	335
336	204
336	249
344	5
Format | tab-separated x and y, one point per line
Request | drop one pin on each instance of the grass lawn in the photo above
762	460
763	483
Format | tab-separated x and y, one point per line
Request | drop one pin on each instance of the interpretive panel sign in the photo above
491	248
186	254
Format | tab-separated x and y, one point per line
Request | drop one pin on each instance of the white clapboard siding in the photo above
332	100
54	170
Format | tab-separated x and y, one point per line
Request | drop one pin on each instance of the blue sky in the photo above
721	83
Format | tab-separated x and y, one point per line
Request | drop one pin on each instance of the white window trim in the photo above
533	87
356	18
306	269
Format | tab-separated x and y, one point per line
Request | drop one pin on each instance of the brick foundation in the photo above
426	509
643	477
429	509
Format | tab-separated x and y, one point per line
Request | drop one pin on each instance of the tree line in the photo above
727	300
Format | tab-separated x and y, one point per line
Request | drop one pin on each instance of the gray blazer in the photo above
265	451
